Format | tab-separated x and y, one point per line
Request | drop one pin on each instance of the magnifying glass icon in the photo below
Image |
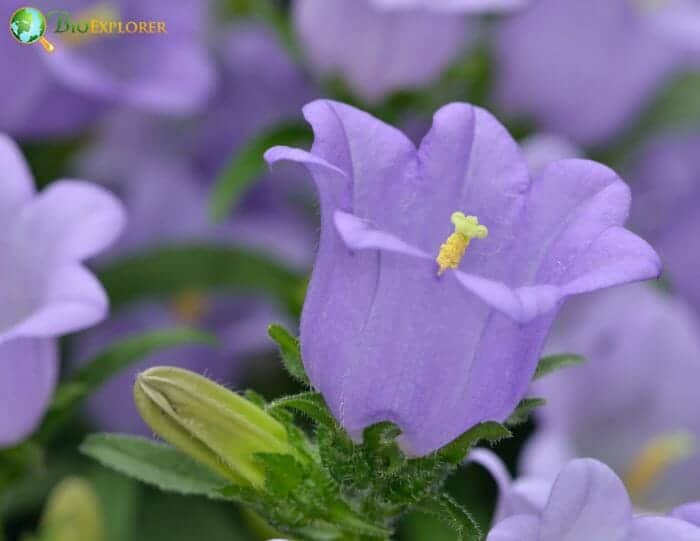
28	25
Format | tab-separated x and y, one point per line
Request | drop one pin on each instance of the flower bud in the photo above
72	512
213	425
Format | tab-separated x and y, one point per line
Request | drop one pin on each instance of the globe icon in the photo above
28	26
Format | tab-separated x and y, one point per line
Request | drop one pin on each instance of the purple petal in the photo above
17	187
689	512
524	496
70	220
165	74
581	69
588	501
28	374
663	529
377	52
72	299
578	208
518	528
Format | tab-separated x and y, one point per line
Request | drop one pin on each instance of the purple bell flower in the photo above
62	92
586	70
46	291
633	404
438	326
378	51
587	501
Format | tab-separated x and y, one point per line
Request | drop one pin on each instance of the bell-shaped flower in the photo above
642	350
375	50
586	70
586	502
44	288
441	268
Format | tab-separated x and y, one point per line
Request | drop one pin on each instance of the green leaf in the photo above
552	363
289	349
523	411
168	271
454	515
490	431
247	165
109	362
153	463
309	403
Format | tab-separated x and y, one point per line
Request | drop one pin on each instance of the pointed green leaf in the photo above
103	366
310	403
165	272
523	411
153	463
246	165
289	349
552	363
490	431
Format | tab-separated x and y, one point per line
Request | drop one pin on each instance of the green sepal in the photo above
153	463
552	363
115	358
523	411
454	515
490	431
290	352
246	165
309	403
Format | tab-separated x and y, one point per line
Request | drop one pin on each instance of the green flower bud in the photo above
213	425
72	512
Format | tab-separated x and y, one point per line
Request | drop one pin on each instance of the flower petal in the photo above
524	496
689	512
663	529
17	185
517	528
588	501
70	220
575	239
376	52
28	374
71	300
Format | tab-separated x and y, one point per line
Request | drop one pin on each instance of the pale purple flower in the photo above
62	92
633	404
375	51
46	291
586	502
383	335
666	183
585	69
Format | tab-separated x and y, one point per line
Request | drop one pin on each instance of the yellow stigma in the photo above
655	459
190	307
453	249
